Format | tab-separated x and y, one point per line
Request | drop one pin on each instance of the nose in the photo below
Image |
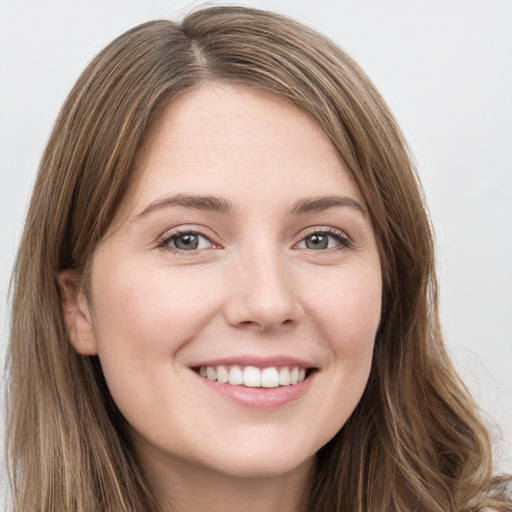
263	293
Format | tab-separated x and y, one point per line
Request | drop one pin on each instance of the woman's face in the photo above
235	300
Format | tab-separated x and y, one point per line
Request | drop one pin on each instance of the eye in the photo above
323	240
186	241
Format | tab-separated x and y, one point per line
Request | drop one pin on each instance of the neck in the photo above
183	487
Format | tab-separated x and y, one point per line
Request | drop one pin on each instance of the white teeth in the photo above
254	377
270	378
211	373
222	374
284	376
236	376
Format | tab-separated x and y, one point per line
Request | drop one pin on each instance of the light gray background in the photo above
444	66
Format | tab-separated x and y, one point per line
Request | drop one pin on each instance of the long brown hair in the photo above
415	440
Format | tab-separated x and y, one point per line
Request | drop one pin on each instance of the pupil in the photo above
187	242
317	242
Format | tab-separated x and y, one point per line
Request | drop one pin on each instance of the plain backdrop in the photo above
445	68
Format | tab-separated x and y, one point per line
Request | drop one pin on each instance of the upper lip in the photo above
257	361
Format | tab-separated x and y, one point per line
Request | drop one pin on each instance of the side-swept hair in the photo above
415	441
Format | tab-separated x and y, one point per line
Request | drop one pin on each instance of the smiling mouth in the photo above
254	377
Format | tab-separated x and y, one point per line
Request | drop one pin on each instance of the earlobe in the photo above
76	314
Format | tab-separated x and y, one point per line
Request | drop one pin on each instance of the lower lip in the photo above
260	398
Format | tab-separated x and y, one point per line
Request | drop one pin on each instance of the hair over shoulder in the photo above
416	440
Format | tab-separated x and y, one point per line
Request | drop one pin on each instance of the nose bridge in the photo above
263	293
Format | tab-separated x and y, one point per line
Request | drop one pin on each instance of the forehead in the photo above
222	139
223	110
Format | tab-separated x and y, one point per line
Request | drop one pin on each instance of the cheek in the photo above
346	315
137	300
141	317
142	320
348	309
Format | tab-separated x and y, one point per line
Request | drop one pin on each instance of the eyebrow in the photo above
203	203
315	204
222	206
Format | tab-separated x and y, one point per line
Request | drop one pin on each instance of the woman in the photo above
229	278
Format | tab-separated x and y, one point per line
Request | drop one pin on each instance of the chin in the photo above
263	465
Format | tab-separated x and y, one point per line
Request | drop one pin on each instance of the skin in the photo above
256	287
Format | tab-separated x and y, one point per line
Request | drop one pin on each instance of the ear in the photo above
77	315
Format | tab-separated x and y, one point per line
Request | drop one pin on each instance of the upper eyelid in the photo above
323	229
184	229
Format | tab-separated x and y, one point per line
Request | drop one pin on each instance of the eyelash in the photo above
344	242
165	240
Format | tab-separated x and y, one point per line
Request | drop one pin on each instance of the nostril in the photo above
263	306
263	325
